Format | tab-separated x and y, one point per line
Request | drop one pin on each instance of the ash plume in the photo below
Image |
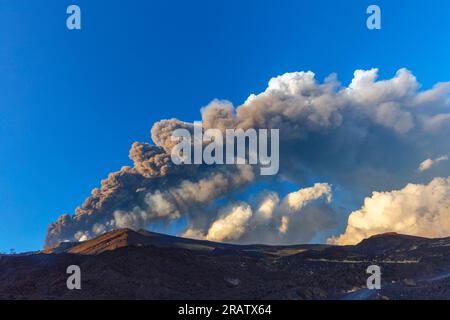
369	135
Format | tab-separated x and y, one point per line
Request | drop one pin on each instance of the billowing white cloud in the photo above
297	200
417	209
267	206
298	217
232	225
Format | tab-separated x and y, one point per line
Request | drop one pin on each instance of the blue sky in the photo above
72	102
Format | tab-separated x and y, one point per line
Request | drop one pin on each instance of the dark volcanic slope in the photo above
125	238
125	264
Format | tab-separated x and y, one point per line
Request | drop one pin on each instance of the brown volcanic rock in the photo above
128	238
125	264
108	242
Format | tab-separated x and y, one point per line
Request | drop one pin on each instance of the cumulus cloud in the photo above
232	225
270	220
267	206
417	209
428	163
299	199
369	135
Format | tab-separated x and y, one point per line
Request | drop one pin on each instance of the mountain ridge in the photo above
120	238
127	237
127	264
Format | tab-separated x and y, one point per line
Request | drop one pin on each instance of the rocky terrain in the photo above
125	264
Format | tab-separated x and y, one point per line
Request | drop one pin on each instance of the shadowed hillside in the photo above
125	264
